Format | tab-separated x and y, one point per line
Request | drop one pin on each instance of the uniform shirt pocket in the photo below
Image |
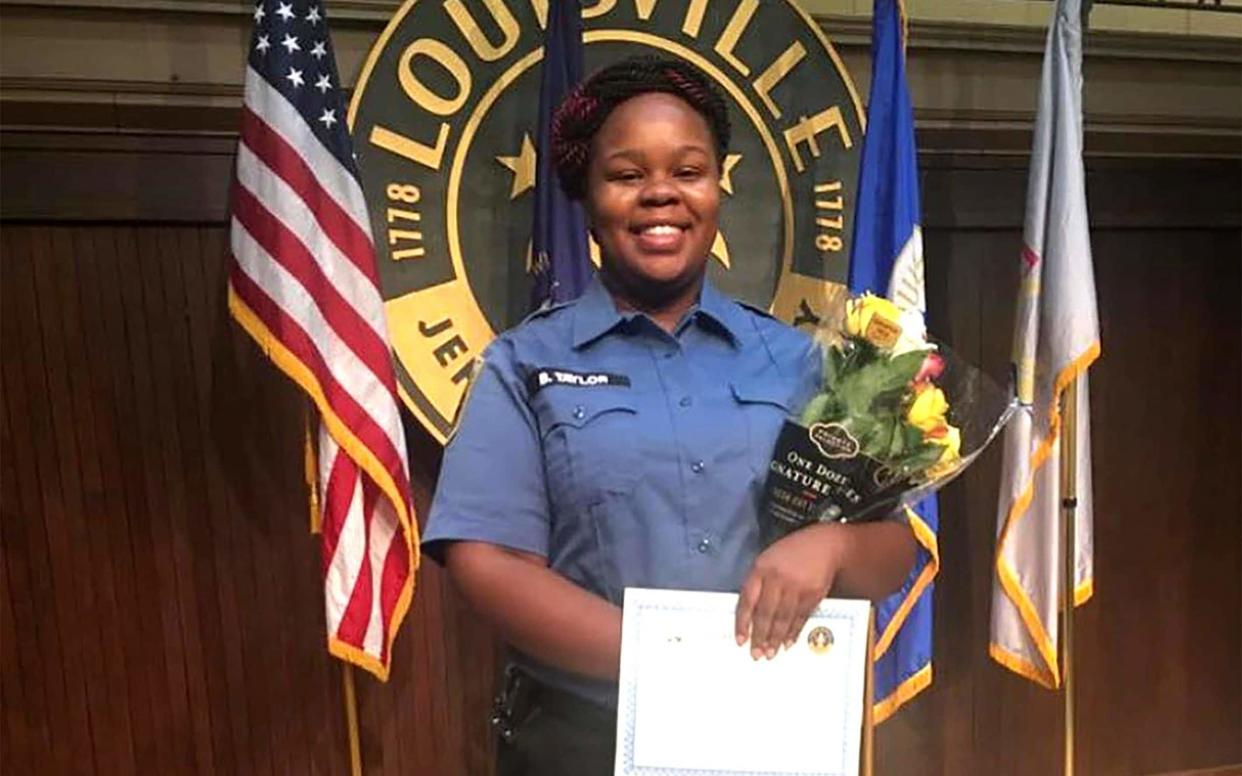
766	405
590	445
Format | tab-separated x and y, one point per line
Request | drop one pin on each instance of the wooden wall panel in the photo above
161	607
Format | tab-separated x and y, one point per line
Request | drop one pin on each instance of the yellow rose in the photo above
928	409
951	440
874	318
952	443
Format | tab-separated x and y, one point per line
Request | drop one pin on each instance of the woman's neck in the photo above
666	310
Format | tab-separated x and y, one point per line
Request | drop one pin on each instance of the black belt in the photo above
522	694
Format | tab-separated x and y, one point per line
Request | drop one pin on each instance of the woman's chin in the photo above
654	285
669	268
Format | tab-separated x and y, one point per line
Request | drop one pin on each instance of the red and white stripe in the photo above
304	277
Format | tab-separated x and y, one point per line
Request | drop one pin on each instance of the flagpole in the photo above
1069	512
351	720
1069	507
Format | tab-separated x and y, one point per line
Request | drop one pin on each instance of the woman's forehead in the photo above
651	116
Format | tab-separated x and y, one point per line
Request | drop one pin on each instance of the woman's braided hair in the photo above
587	106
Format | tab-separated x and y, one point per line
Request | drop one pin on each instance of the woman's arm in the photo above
790	578
875	558
537	610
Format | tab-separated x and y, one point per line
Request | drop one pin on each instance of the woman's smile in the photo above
660	237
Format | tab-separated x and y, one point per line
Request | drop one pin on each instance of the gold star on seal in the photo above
523	167
726	174
720	251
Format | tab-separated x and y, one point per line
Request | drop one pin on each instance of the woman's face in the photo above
653	196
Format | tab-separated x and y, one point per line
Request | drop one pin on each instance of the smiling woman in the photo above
621	440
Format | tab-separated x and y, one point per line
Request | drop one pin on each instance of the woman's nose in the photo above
659	191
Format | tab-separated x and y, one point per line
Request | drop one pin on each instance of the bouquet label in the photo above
883	332
833	440
818	474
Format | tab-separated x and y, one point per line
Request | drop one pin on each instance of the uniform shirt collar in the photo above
595	313
722	311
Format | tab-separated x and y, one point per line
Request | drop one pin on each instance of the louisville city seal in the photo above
444	116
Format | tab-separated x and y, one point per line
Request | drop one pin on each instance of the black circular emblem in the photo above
444	120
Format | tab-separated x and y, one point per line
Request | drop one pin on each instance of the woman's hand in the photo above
791	577
787	582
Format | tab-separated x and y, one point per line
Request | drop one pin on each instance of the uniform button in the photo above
579	412
705	545
686	401
697	467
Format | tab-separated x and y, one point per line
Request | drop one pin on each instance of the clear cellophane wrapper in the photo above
897	416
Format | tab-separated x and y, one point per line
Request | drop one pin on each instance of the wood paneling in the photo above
161	599
160	602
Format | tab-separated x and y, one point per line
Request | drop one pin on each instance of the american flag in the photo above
303	283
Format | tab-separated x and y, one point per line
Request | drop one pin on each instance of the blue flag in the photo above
560	264
887	259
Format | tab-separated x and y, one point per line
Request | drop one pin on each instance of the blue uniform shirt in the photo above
625	455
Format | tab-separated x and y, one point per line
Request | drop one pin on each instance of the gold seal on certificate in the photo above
819	640
692	701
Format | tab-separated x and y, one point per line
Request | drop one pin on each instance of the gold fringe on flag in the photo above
311	464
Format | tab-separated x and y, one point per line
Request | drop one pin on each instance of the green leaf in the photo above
862	427
914	437
880	438
879	380
906	366
816	409
902	442
923	458
832	365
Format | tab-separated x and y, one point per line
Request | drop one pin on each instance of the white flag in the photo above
1056	338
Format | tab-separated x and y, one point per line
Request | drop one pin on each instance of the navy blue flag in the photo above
887	259
560	263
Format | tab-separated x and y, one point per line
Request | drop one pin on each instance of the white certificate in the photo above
693	702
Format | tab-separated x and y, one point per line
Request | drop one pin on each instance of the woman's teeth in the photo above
662	229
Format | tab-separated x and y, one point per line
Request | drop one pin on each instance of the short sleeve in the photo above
492	486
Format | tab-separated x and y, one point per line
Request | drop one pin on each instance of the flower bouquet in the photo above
896	417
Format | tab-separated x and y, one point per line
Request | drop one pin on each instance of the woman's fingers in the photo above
772	611
782	619
761	622
805	608
746	600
